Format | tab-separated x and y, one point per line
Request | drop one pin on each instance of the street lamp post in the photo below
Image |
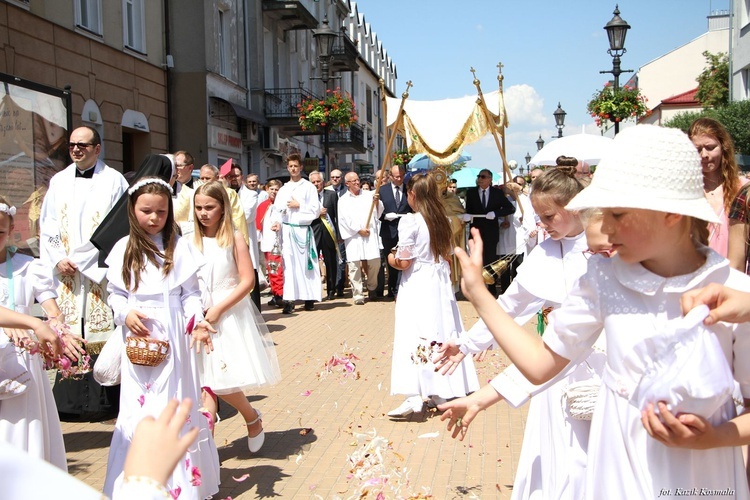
539	143
617	29
528	160
559	115
324	40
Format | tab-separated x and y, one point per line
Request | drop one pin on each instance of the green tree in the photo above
734	116
713	82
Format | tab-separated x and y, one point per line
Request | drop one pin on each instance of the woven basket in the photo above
580	398
146	351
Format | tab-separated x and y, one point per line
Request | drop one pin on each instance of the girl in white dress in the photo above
28	415
426	311
154	292
244	356
553	455
650	190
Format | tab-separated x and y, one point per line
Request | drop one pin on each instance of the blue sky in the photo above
551	50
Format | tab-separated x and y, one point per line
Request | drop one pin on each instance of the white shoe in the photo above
411	405
256	442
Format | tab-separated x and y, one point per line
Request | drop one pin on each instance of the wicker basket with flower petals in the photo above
146	351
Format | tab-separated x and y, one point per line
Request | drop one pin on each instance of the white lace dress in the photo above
244	356
28	421
426	312
169	303
636	310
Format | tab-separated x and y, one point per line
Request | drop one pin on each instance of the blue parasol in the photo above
423	162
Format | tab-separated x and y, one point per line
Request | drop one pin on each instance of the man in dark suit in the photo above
325	229
394	201
484	200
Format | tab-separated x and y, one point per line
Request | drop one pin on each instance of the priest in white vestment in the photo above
78	199
360	239
297	206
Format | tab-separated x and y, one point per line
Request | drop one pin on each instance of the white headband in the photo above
144	182
8	210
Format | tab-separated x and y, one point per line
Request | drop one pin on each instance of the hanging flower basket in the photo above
402	157
613	105
335	110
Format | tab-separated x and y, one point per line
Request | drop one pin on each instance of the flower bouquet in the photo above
402	157
616	105
336	109
61	363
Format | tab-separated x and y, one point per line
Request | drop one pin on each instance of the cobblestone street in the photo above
311	420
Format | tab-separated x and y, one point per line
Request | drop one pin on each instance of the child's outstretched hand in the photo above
684	431
448	358
134	322
471	266
49	338
157	446
726	304
201	337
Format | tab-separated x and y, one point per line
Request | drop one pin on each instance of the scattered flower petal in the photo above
306	393
241	478
429	435
196	473
175	493
141	400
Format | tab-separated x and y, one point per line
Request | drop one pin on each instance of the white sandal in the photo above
255	443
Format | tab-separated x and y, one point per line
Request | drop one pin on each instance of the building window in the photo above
223	39
133	25
368	104
89	15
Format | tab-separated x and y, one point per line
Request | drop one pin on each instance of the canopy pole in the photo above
493	128
389	144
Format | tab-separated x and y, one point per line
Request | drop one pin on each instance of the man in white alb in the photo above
361	240
297	205
78	199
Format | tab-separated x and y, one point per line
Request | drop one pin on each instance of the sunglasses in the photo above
483	176
79	145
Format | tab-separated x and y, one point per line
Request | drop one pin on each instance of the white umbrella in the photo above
584	147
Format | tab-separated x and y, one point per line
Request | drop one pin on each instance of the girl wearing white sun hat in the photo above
649	188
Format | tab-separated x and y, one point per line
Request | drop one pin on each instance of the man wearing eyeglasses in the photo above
489	204
183	163
337	182
78	199
361	240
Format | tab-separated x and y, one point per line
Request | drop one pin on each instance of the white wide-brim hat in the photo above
651	168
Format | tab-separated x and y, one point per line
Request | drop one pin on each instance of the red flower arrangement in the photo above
336	109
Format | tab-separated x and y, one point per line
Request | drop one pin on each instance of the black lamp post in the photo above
528	160
559	115
616	29
324	39
539	143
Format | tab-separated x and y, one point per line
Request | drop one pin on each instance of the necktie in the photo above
86	174
484	198
398	196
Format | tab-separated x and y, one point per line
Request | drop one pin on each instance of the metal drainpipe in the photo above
167	51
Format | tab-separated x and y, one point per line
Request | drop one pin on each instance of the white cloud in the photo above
524	106
480	28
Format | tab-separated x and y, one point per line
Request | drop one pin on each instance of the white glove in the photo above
490	216
391	216
467	217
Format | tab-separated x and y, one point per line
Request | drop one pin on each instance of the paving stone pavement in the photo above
311	421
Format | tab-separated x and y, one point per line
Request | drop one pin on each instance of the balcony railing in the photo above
282	103
349	140
344	54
